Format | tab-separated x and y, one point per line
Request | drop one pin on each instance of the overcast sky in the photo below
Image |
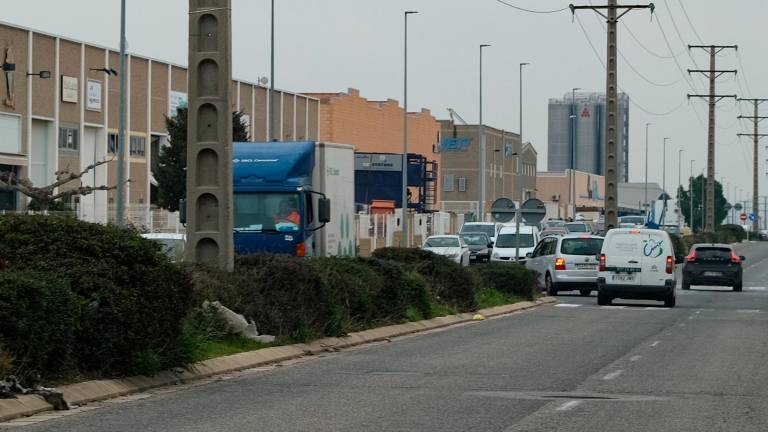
331	45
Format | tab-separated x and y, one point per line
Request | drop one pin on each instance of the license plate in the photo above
586	266
623	278
712	274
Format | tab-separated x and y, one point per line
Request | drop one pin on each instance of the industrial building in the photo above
578	123
557	188
460	156
60	110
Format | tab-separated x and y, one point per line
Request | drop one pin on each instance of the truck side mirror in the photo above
324	210
183	211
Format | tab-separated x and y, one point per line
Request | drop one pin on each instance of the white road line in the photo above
749	310
612	375
568	305
613	307
655	343
568	405
635	358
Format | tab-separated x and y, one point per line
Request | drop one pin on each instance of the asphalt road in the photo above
636	366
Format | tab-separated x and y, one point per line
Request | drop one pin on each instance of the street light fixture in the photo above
44	74
404	242
481	147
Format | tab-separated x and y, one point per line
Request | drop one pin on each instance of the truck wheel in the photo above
670	301
686	285
738	287
551	290
603	300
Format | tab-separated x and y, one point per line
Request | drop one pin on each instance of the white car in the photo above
632	222
171	244
506	243
449	246
637	264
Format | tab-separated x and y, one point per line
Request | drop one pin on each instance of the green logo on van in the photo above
653	248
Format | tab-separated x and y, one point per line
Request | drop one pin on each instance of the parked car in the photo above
480	246
713	264
490	229
637	264
554	232
449	246
578	228
171	244
671	229
567	263
506	243
554	223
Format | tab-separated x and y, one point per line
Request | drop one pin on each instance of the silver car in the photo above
567	263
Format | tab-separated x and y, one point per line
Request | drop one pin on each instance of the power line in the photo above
648	50
688	18
602	62
679	35
531	10
746	83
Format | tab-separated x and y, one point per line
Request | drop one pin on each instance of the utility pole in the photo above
756	135
712	73
611	96
690	192
405	240
122	142
271	127
481	149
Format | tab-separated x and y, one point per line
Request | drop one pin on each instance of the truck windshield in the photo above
267	212
510	241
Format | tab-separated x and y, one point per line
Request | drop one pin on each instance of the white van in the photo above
637	263
488	228
506	243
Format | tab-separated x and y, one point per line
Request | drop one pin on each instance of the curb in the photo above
91	391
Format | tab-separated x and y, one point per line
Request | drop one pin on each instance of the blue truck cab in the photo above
276	208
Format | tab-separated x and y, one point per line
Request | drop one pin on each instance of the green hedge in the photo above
511	279
132	299
447	281
39	313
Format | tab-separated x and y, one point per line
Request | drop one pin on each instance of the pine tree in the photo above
171	174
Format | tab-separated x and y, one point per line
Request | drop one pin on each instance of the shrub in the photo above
678	244
400	290
447	281
39	314
511	279
731	233
133	298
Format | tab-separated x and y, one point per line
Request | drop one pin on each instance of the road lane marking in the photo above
749	311
612	375
568	405
655	343
568	305
635	358
613	307
755	288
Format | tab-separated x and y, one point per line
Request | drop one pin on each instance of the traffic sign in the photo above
503	210
534	211
738	207
743	217
752	217
728	207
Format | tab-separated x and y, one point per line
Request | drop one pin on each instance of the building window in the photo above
138	146
10	134
448	183
68	138
462	184
112	140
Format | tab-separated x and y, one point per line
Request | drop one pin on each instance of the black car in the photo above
480	246
713	264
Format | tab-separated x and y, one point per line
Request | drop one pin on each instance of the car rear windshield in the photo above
489	230
442	242
577	227
476	239
510	241
713	254
587	246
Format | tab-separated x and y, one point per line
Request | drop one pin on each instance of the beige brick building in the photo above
555	189
71	119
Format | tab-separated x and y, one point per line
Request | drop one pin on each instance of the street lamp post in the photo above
664	168
404	242
690	191
679	173
481	147
645	203
573	151
121	141
519	173
703	203
271	126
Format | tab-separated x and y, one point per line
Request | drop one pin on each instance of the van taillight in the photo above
602	262
735	258
301	250
670	265
560	264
